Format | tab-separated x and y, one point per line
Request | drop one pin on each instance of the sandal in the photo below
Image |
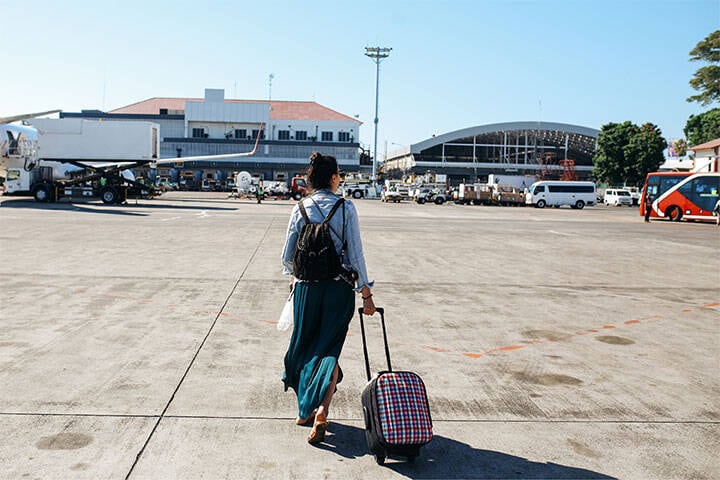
305	421
320	426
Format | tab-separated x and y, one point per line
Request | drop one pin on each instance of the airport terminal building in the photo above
214	125
545	149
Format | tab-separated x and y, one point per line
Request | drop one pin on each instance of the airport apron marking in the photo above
579	333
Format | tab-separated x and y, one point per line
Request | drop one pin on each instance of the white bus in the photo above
559	193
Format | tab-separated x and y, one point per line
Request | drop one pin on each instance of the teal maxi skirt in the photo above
323	311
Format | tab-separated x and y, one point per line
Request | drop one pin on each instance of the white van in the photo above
617	197
559	193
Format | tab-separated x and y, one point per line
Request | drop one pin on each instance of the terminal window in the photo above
198	132
283	134
301	135
344	137
327	136
241	133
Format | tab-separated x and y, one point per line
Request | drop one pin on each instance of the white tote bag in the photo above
286	317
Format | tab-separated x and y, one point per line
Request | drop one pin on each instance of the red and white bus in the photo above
677	195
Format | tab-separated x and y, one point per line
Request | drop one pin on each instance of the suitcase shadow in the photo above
450	459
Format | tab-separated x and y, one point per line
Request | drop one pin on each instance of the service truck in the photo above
87	158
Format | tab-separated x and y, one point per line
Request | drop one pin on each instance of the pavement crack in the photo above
197	352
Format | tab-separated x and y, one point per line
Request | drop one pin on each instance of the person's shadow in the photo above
447	458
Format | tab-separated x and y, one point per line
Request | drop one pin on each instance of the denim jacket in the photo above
325	199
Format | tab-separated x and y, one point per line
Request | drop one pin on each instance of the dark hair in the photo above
322	168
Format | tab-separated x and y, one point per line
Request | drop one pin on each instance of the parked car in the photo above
617	197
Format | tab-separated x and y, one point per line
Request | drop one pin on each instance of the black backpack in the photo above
315	257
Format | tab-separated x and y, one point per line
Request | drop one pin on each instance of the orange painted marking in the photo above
712	305
510	347
608	327
593	330
687	310
271	322
435	349
630	322
473	355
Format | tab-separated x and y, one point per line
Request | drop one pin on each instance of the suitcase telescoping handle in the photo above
381	311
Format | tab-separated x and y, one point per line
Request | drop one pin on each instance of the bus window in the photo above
666	183
704	192
539	189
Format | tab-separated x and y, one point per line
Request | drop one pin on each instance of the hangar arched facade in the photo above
518	148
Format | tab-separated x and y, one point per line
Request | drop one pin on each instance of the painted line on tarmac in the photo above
579	333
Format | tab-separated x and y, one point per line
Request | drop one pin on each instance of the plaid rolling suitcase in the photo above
395	407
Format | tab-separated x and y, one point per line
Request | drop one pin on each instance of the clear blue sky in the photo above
454	64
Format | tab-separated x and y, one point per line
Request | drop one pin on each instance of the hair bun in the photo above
315	157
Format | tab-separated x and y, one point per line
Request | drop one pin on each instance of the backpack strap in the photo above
334	209
303	212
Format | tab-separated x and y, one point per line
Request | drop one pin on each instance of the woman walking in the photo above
323	308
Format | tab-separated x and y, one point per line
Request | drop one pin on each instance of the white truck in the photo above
86	158
521	182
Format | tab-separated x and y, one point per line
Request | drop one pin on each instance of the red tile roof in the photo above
279	110
707	145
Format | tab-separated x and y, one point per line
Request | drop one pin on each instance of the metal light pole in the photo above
377	54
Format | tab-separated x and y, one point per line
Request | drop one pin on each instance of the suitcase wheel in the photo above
380	459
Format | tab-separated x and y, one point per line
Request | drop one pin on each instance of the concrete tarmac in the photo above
139	342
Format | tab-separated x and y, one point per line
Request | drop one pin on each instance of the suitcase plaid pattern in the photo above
403	409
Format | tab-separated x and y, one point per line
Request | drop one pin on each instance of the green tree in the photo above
703	127
626	153
644	153
707	79
609	161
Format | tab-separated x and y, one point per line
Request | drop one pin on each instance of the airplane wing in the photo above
202	158
26	116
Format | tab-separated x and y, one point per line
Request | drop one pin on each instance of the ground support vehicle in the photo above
358	190
426	194
477	194
84	158
521	182
391	196
558	193
505	194
681	195
112	185
298	188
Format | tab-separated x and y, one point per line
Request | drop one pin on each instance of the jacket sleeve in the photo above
354	247
291	237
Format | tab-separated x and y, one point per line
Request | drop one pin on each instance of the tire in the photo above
579	204
421	201
109	195
357	194
541	204
380	459
42	194
439	201
674	214
297	196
